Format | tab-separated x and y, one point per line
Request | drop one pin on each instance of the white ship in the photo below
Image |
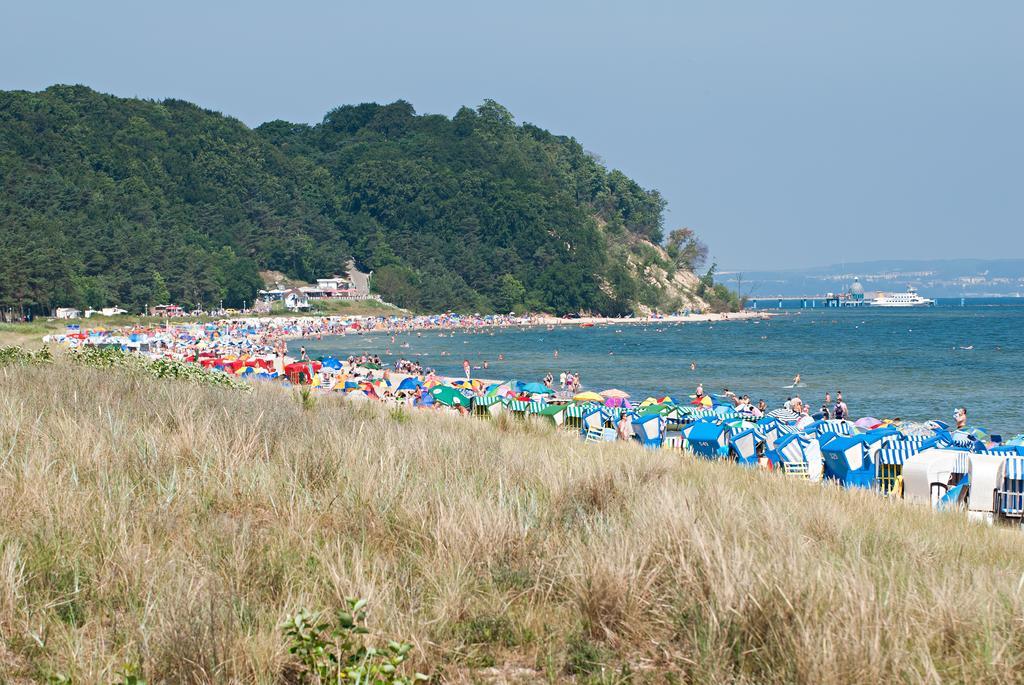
907	299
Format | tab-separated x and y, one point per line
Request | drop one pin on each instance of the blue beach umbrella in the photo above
410	384
537	389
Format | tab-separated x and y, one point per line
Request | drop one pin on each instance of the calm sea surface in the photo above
910	363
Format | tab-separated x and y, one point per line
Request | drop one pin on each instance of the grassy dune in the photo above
173	527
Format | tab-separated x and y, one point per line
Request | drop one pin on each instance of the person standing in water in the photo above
842	411
796	380
465	367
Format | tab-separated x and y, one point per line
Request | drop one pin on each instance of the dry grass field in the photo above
173	527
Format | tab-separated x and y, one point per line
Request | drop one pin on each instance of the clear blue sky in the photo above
785	133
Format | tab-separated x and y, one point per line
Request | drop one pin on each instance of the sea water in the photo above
909	363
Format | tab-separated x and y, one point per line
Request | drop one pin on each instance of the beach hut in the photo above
847	461
649	429
929	474
708	439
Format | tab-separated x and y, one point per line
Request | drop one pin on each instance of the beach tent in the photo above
847	460
710	440
301	372
649	430
410	383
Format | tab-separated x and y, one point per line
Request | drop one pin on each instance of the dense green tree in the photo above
109	201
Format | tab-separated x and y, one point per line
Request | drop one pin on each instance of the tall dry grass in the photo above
173	527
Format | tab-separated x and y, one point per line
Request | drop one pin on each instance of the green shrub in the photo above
19	355
114	357
336	652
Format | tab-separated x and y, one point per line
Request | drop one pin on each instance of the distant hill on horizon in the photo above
955	277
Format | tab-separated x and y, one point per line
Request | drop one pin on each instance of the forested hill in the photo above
105	201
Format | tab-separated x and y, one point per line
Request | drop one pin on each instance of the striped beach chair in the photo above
519	408
701	415
746	447
1011	488
536	406
673	442
789	456
611	415
889	463
837	426
574	415
486	407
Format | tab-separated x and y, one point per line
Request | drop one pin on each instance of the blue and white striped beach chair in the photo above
1011	488
837	426
745	446
889	463
708	439
789	455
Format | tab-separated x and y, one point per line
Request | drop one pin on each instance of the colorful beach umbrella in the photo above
867	423
410	383
587	396
449	396
614	393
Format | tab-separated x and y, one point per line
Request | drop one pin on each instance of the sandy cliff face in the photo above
668	289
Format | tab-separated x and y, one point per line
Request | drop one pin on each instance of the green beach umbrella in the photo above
449	396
